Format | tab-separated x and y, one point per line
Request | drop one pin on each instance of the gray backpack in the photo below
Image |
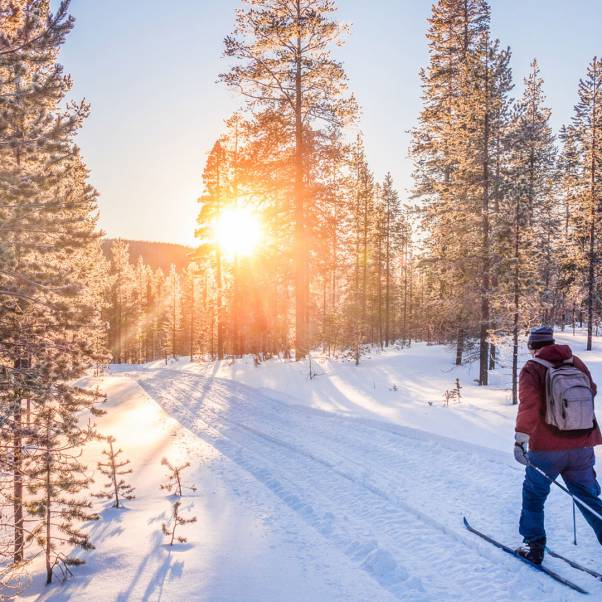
569	397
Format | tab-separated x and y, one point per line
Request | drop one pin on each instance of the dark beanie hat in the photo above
540	337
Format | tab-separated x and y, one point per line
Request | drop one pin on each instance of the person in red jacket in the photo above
569	454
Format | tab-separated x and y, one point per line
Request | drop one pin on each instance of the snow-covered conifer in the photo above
50	251
175	484
54	478
114	467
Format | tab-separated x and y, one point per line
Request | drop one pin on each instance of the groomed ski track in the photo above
389	498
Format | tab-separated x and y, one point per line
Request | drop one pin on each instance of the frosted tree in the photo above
285	70
191	309
141	309
114	467
363	198
123	303
217	186
465	92
572	259
49	248
172	327
55	477
392	224
440	149
336	193
587	124
527	217
175	483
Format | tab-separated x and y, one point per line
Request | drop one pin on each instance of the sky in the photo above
149	70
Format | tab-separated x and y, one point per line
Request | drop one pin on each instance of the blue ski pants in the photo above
576	466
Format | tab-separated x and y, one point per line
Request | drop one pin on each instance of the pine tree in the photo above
285	68
190	309
455	149
213	201
572	259
172	326
587	124
50	251
123	303
441	150
526	217
363	195
175	484
114	468
177	520
54	478
392	237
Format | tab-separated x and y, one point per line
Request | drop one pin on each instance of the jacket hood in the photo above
555	353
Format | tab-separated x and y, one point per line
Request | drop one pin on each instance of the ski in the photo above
574	564
537	567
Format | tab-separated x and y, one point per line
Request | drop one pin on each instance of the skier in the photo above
550	440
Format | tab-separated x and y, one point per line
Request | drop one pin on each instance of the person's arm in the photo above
529	394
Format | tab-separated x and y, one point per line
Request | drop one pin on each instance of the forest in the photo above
500	231
300	249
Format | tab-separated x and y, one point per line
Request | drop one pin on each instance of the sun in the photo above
238	231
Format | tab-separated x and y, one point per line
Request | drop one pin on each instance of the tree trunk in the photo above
48	492
388	276
173	316
517	242
460	346
18	480
483	339
379	293
192	310
364	263
300	243
591	281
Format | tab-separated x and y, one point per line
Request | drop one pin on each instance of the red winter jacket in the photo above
532	406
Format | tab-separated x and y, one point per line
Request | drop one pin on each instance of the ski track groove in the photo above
409	553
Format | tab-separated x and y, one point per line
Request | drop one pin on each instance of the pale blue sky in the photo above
149	68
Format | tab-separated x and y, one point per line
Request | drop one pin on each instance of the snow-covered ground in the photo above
348	486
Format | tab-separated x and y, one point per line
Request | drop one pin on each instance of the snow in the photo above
348	486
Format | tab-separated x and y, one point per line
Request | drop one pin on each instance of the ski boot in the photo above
533	551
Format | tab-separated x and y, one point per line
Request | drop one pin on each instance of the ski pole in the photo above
574	525
575	499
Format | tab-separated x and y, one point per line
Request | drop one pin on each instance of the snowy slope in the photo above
397	386
321	489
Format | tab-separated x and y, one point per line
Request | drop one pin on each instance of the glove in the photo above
521	447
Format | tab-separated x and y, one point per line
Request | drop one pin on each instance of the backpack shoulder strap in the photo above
545	363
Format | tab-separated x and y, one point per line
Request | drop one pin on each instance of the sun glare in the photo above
238	231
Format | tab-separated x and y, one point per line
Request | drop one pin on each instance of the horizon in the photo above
146	160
